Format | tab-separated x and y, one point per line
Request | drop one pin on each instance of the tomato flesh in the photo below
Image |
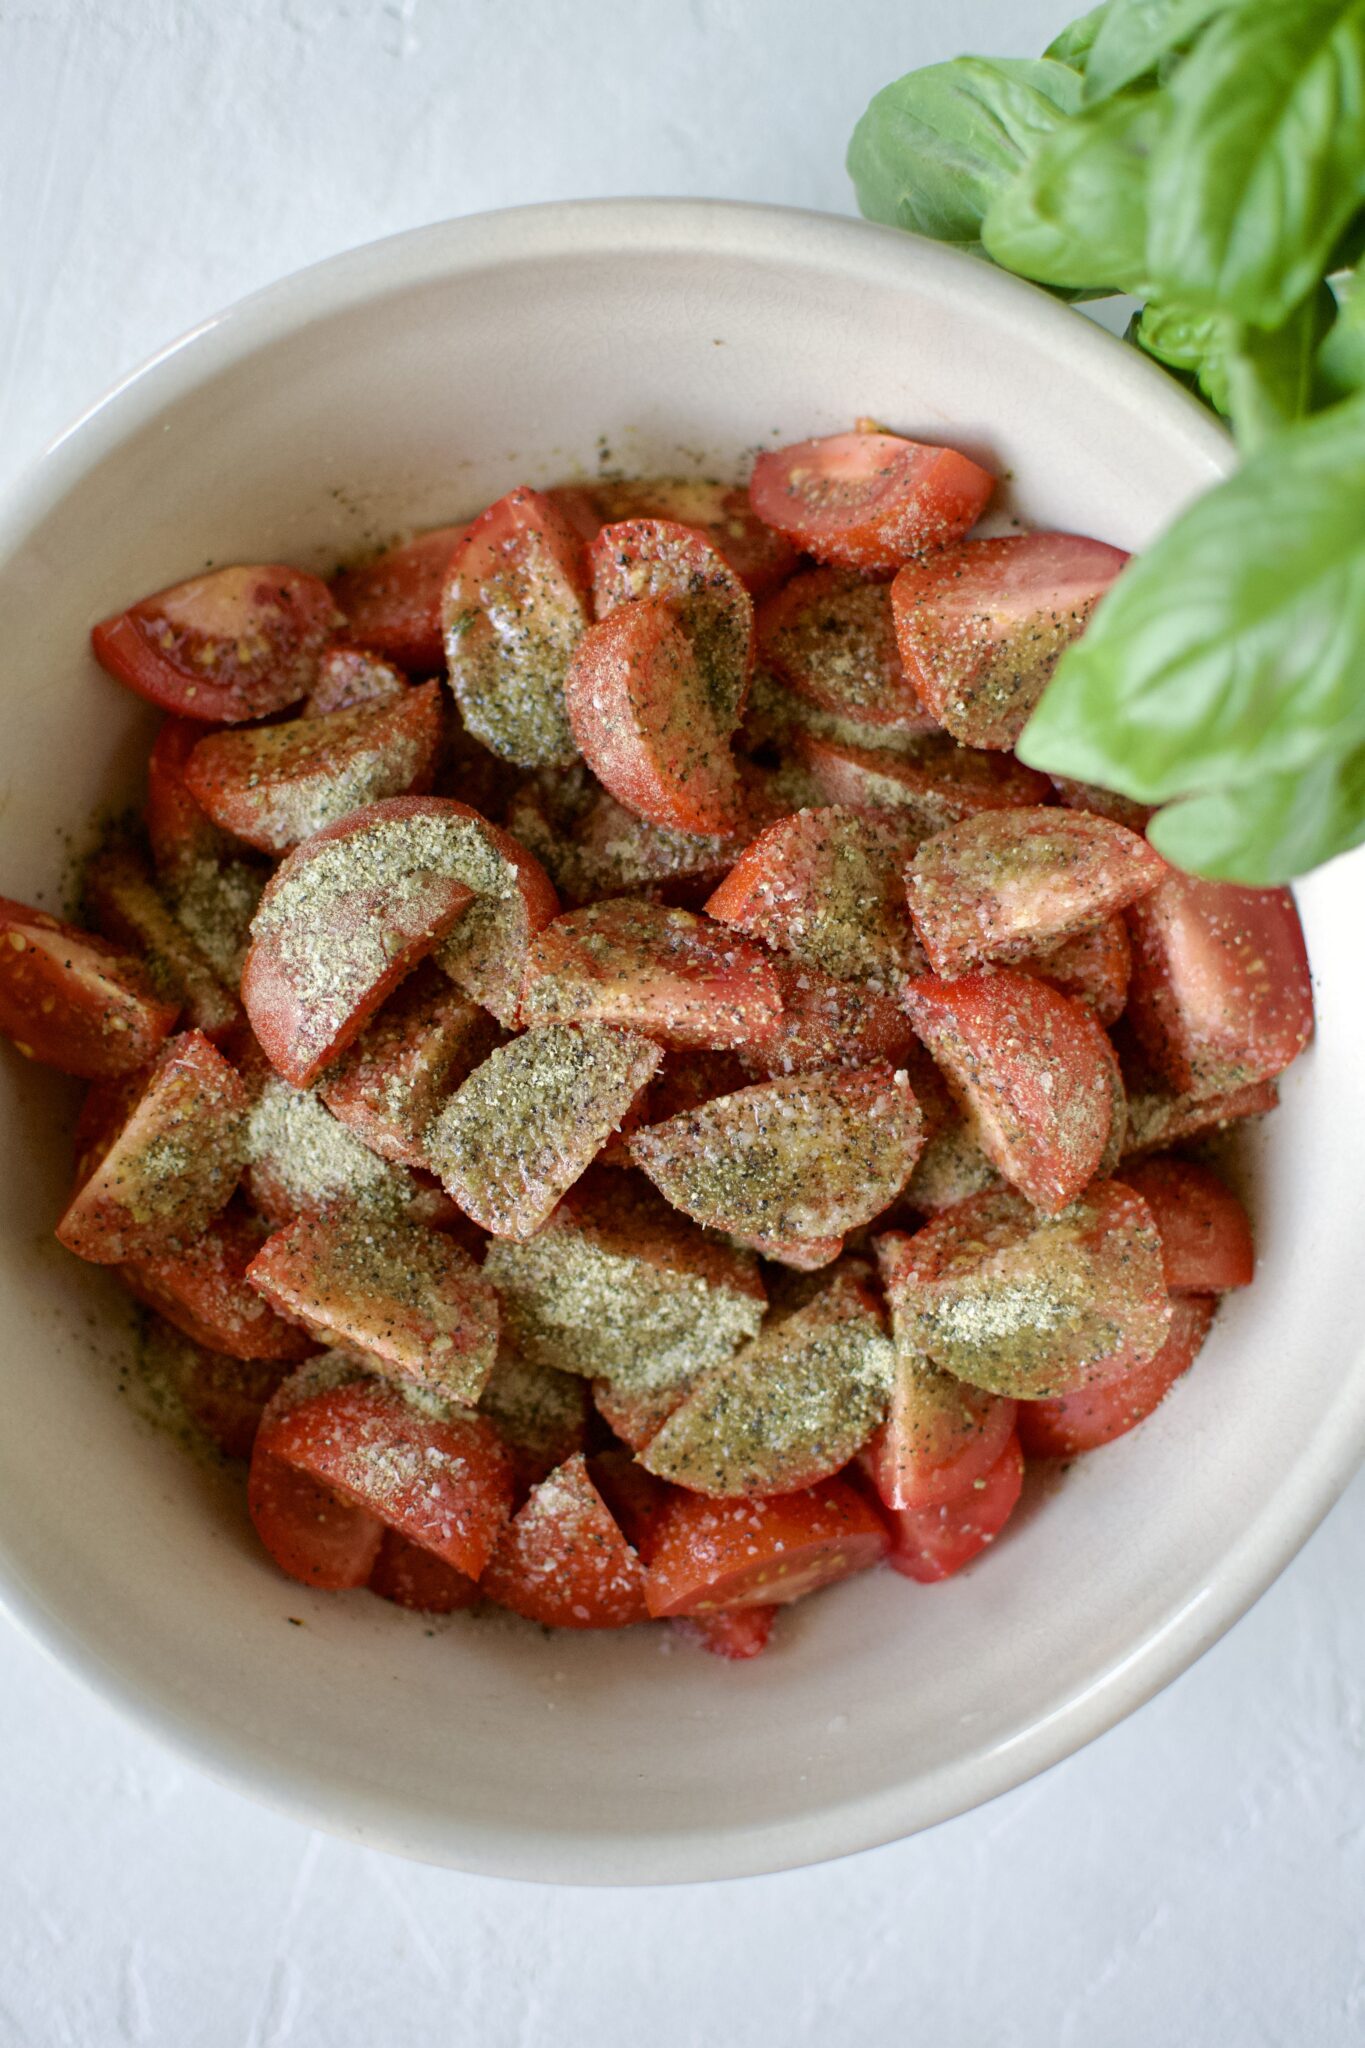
72	1002
940	1436
125	903
311	1535
830	637
711	1556
736	1635
203	1290
1094	1416
869	501
390	1082
351	676
1206	1242
932	777
415	1578
563	1560
932	1543
393	603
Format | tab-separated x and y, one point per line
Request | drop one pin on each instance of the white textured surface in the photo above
1199	1873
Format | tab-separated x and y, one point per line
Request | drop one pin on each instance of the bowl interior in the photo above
410	384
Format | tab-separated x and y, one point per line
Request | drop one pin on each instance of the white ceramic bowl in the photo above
412	382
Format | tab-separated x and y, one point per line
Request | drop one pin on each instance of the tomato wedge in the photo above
681	979
540	1414
238	643
1159	1117
830	1023
389	1084
563	1560
940	1436
827	885
736	1636
303	1161
932	1543
533	1117
485	952
1026	1305
222	1396
408	1297
349	677
1094	1416
513	609
203	1290
311	1535
415	1578
277	784
655	558
72	1002
930	776
122	899
799	1254
593	846
1206	1242
721	513
213	893
393	603
982	626
830	636
159	1179
1093	968
804	1156
869	500
1220	994
1003	884
1034	1070
714	1556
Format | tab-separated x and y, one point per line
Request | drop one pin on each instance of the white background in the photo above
1198	1876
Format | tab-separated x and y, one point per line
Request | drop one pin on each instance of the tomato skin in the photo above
204	1292
714	1555
720	513
639	1501
939	1438
869	501
417	1579
311	1535
830	1023
640	558
736	1635
936	779
933	1543
1206	1242
1220	994
178	830
237	643
1094	1416
72	1002
563	1560
393	603
830	637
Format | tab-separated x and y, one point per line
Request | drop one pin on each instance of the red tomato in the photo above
1001	885
223	1397
1097	1415
348	676
595	847
681	979
311	1535
933	1543
1206	1243
830	637
275	785
124	902
1220	995
638	702
721	513
685	1081
393	604
801	1254
635	1417
442	1481
869	501
171	1166
541	1415
736	1636
712	1556
939	1437
1035	1070
72	1002
416	1578
639	1501
405	1296
1159	1117
1087	796
181	835
1092	968
204	1291
514	606
563	1560
981	627
656	558
829	1023
935	779
237	643
486	952
390	1083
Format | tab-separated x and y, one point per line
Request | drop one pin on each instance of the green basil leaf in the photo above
1187	341
1136	34
1234	648
1263	161
1269	373
1272	830
1077	39
1075	214
933	149
1341	358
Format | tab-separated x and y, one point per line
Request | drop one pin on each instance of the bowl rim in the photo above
328	1799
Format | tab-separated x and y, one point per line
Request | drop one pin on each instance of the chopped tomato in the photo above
1094	1416
563	1561
485	952
713	1556
1092	968
931	776
869	500
829	636
302	1161
735	1636
760	558
540	1414
237	643
982	626
940	1436
203	1290
1026	1305
801	1254
533	1117
441	1480
393	603
407	1296
640	706
180	834
1003	884
830	1023
1206	1242
685	1081
224	1397
594	847
1034	1069
159	1179
277	784
1087	796
681	979
827	885
212	892
390	1083
73	1002
350	676
124	902
932	1543
416	1578
804	1156
639	1501
1220	995
655	558
515	604
636	1414
311	1535
1159	1117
